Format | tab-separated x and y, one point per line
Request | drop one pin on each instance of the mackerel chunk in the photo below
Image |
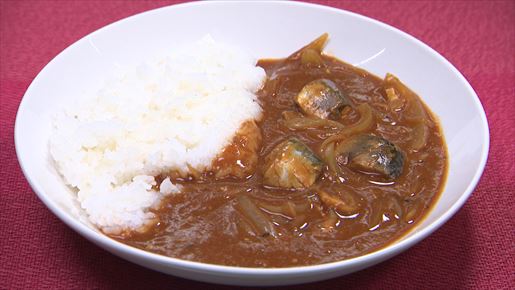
292	164
374	155
321	98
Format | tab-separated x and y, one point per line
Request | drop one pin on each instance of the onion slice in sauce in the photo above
412	110
349	206
330	150
259	222
289	208
364	123
296	121
316	45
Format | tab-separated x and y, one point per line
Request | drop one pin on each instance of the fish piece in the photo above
292	164
373	155
239	159
321	98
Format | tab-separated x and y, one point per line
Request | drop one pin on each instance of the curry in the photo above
342	163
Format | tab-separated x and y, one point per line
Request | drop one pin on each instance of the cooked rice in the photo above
174	114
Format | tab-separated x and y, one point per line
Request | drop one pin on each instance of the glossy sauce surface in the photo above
207	223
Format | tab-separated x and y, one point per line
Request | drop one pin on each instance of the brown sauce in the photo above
204	223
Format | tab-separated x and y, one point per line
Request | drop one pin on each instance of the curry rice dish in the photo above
337	164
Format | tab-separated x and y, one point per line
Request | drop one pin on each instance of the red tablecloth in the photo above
475	249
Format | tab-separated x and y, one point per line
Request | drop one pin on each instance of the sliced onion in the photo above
328	148
375	214
413	211
364	123
331	220
330	158
414	110
316	45
348	206
259	222
310	57
288	209
288	115
394	101
296	121
392	203
419	136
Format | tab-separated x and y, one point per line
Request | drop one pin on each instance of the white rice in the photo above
166	115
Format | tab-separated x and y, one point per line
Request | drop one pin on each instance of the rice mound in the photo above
173	114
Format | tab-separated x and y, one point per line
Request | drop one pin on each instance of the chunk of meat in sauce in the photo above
321	98
373	155
292	164
239	159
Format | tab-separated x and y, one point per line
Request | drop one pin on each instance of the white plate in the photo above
267	29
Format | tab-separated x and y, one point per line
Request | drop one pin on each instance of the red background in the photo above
475	249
